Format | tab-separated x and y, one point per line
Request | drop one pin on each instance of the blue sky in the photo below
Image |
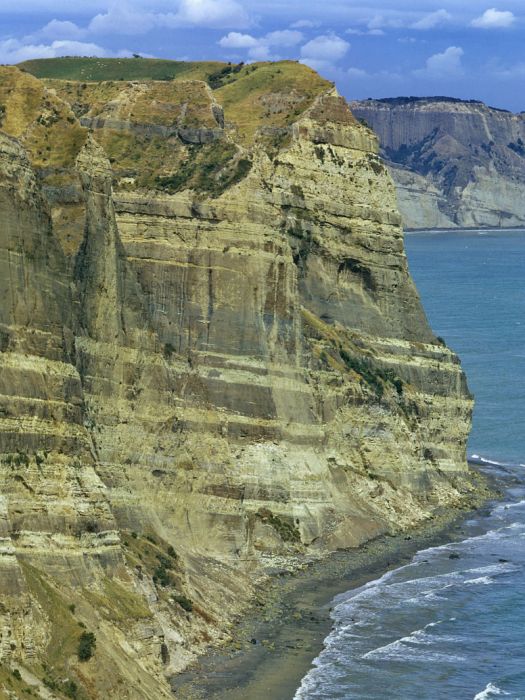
471	49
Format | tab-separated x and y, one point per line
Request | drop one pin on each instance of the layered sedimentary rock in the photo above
213	361
455	163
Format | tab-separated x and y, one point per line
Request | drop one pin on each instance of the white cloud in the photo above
409	19
442	65
434	19
382	22
321	67
57	29
285	37
323	52
14	51
235	40
124	18
494	19
211	13
325	47
259	48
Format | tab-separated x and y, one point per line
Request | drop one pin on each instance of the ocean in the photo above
450	625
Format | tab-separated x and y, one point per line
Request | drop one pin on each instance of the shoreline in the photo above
273	647
462	229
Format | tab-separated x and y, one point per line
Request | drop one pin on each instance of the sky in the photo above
472	49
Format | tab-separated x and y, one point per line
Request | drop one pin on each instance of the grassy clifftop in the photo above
167	125
262	76
81	68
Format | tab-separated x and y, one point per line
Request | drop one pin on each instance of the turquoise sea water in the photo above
451	624
472	285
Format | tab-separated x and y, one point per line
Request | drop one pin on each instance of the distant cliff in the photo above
455	163
213	362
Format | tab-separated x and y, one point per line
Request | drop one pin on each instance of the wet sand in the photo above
274	646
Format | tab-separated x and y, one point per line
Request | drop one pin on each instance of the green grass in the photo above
41	121
83	68
118	604
63	631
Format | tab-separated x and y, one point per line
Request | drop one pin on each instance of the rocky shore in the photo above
274	643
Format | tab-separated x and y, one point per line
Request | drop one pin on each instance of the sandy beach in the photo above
274	646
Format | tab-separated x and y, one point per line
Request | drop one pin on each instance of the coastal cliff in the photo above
213	363
455	163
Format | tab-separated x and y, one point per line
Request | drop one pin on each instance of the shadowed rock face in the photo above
205	375
455	163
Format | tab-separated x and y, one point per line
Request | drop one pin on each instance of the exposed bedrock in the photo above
455	163
204	374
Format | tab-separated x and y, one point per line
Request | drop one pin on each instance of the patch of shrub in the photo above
375	377
209	168
169	349
184	602
86	646
70	689
518	146
286	530
162	576
220	77
50	683
18	459
91	526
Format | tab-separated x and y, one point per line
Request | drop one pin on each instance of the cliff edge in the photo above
455	163
213	363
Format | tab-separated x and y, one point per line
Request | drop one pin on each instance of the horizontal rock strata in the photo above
213	362
455	163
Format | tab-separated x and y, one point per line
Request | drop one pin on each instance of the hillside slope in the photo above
213	363
455	163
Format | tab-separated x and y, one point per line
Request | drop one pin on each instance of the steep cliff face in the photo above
455	163
213	360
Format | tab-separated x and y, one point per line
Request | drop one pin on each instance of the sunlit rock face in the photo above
455	163
213	361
